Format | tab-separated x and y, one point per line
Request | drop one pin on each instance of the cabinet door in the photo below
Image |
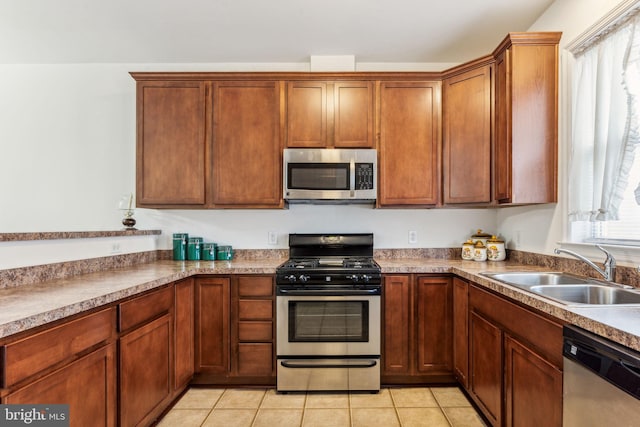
146	380
485	359
172	144
87	385
409	121
184	333
307	114
534	122
434	305
353	114
461	331
212	325
526	143
247	151
466	155
397	325
529	378
502	149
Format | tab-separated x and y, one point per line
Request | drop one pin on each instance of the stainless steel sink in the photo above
534	278
569	289
588	294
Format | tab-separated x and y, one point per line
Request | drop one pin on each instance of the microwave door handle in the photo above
352	178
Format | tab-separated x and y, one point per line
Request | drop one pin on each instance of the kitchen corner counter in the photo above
620	324
30	306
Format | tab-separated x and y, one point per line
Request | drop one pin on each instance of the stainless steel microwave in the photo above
330	175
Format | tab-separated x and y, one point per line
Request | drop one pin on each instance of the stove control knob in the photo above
291	278
353	277
366	278
303	278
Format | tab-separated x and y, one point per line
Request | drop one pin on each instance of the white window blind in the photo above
604	165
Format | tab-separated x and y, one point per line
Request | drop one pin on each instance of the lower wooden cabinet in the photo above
235	330
515	362
253	328
73	362
87	385
530	378
417	329
146	357
184	332
461	331
212	325
485	357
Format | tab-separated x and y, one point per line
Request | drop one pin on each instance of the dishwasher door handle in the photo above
632	369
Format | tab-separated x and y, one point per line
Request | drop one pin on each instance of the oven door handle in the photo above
302	365
329	292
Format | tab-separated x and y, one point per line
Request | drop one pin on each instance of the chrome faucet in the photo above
609	270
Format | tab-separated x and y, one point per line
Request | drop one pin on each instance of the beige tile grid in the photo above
392	407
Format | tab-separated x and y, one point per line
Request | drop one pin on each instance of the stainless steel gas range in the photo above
328	314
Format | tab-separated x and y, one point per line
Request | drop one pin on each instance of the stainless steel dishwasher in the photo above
601	381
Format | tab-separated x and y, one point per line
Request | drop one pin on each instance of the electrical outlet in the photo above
115	248
413	237
272	238
518	237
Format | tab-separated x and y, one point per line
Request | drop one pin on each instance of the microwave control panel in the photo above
364	176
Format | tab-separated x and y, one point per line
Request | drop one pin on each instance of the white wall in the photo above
67	155
67	138
541	227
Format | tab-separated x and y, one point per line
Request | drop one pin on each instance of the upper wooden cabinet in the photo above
172	144
526	125
482	133
330	114
466	142
409	143
247	150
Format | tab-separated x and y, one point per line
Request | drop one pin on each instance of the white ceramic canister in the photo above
480	236
479	251
467	250
495	249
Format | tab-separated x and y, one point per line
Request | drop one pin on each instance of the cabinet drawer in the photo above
255	310
140	310
258	286
255	331
255	359
38	352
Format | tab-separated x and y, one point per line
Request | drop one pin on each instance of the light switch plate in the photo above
272	238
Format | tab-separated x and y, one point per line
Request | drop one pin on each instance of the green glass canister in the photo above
180	246
209	251
194	248
225	253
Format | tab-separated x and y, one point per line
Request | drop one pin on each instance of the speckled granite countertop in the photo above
30	306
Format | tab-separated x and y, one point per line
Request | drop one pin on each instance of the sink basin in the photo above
588	294
534	278
569	289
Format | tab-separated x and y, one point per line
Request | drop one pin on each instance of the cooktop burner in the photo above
334	263
321	261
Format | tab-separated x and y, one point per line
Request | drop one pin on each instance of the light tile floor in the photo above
392	407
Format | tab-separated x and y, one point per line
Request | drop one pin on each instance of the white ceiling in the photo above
224	31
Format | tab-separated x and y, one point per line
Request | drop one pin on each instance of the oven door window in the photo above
318	176
328	321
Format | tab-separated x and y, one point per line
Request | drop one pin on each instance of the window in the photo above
604	165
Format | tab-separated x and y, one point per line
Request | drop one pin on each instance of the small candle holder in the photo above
125	205
128	221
